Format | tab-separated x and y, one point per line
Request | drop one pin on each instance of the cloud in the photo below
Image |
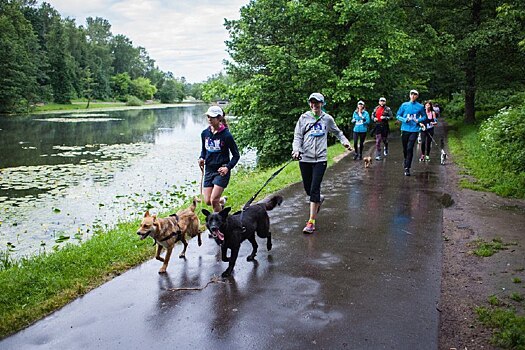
184	37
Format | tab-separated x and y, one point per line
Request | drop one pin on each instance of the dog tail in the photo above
273	202
194	204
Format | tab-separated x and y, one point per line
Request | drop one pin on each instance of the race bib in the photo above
359	122
317	130
212	145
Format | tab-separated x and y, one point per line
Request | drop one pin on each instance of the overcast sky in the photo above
185	37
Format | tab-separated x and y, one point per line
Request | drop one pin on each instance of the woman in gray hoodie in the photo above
310	147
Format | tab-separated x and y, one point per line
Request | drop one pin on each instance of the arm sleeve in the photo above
297	145
399	115
389	111
234	151
203	149
367	118
332	128
374	113
354	116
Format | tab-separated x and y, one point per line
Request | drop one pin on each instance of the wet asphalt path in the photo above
369	278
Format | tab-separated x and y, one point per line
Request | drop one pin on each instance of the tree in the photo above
281	51
216	88
172	90
142	88
99	56
60	63
87	86
121	84
18	71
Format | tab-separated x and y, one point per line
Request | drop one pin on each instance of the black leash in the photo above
247	205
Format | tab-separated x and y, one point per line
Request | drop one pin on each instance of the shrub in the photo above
133	101
503	137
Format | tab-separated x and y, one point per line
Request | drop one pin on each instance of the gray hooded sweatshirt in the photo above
314	143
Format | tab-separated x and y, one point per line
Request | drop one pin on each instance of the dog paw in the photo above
250	258
225	259
269	246
159	258
182	256
200	242
226	274
162	270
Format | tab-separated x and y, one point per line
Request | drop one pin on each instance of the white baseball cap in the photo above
361	103
316	96
214	112
414	92
382	99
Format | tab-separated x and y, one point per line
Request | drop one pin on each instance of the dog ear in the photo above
146	214
225	211
205	212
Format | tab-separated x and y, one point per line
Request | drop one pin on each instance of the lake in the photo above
62	176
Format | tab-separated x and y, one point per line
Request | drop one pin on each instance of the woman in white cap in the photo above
410	113
217	144
310	147
361	120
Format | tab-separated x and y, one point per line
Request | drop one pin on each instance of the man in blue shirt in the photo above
411	113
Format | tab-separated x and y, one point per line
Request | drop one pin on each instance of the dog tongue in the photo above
220	235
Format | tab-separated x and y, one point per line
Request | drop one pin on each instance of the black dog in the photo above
230	232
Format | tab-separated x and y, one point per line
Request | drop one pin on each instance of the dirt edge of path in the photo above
469	280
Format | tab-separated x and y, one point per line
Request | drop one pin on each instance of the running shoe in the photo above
427	159
378	158
385	152
407	172
422	158
309	228
222	201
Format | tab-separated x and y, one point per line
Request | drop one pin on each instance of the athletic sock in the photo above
311	221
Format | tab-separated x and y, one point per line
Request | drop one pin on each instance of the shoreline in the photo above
117	108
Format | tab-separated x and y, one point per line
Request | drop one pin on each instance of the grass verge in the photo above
34	287
508	326
75	106
483	173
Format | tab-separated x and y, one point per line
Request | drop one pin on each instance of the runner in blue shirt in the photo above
410	113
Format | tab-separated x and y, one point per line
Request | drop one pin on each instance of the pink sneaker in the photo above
309	228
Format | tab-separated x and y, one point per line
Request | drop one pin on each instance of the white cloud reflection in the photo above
184	37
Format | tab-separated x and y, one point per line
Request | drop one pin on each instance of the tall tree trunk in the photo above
470	69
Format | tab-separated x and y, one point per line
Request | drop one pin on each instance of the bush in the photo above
133	101
503	137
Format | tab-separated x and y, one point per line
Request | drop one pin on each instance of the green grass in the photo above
516	280
75	106
485	249
33	287
508	326
484	174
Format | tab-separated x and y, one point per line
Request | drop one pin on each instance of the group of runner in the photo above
310	144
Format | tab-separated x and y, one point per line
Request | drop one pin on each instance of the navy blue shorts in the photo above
214	178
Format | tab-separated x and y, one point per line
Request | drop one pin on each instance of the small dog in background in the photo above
368	161
443	153
166	232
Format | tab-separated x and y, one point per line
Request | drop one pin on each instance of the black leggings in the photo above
426	141
408	139
361	136
312	174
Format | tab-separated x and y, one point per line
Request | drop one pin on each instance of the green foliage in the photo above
133	101
121	84
18	71
516	297
216	88
509	327
484	173
516	280
142	88
486	249
503	137
171	91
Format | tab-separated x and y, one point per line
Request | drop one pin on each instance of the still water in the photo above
63	176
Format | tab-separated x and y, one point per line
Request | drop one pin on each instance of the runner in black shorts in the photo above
217	143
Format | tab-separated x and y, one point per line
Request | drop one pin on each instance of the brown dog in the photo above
368	161
168	231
